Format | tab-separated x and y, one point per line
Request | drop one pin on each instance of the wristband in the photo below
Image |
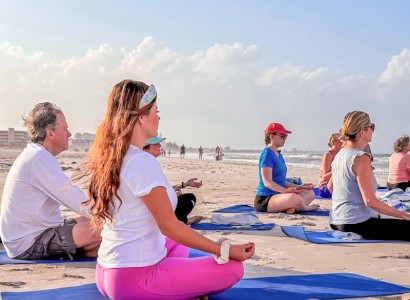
183	185
225	246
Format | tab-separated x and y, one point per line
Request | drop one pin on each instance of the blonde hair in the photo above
332	138
401	143
353	122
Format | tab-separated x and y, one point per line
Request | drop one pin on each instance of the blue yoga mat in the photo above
317	286
317	194
244	208
210	226
318	197
296	287
4	259
321	237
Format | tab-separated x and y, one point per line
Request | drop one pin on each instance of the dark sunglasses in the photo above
371	126
283	136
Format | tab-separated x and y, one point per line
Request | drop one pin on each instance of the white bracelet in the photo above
225	246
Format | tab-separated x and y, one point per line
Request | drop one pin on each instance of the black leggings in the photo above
400	185
379	229
186	203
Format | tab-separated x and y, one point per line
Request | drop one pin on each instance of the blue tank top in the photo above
268	158
347	203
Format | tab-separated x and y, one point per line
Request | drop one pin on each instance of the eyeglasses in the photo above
371	126
283	136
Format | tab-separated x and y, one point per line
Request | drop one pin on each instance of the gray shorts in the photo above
54	243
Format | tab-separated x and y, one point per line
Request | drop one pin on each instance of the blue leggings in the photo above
174	277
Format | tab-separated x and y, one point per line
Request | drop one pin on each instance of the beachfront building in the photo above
13	137
82	141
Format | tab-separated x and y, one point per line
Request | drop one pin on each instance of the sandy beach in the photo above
226	184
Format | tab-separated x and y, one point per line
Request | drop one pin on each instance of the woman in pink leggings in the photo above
144	248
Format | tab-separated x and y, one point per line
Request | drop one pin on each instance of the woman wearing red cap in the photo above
274	193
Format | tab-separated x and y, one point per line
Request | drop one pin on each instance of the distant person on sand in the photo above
355	207
399	165
144	248
187	201
182	151
274	193
200	152
334	144
31	222
218	153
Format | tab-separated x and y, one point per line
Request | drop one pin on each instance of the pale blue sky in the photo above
268	49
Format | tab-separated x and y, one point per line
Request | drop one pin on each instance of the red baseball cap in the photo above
276	128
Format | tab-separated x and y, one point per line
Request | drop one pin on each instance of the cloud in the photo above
398	69
216	96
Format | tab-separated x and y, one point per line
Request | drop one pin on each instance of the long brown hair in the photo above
104	160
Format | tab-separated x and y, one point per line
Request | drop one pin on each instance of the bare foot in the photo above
195	220
290	211
312	207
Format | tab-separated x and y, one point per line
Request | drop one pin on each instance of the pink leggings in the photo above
174	277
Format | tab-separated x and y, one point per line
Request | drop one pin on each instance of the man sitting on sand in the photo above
187	201
31	223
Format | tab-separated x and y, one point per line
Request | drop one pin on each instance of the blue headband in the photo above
149	96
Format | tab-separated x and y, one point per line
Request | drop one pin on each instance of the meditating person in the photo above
334	144
144	248
399	165
186	201
355	207
274	193
31	222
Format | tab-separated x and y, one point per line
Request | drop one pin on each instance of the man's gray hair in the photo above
41	118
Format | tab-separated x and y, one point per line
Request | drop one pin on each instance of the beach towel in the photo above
244	208
210	226
238	219
4	259
294	287
323	237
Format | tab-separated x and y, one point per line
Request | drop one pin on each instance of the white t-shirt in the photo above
133	239
35	188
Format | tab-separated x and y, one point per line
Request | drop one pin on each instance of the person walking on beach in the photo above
182	151
187	201
326	166
399	165
274	193
355	207
31	222
144	248
200	152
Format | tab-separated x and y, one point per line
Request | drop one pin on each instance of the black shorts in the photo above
400	185
54	243
261	203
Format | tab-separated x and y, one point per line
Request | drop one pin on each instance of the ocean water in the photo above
292	158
